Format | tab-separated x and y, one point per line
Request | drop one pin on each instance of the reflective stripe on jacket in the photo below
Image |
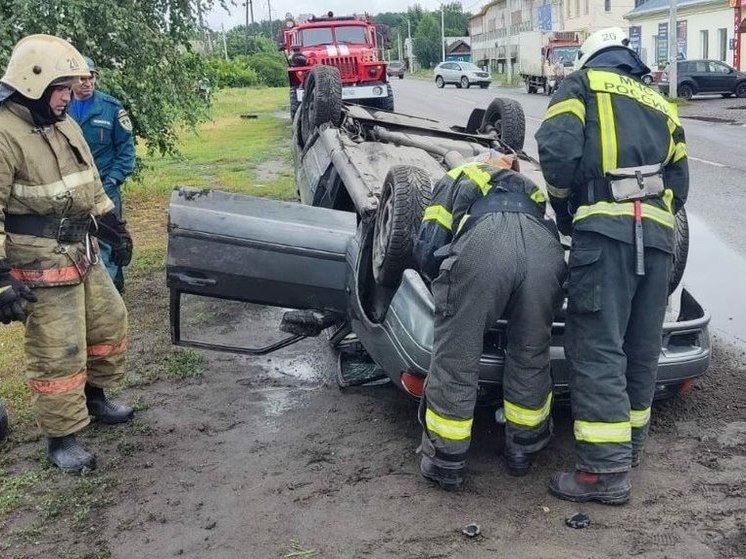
600	120
45	171
452	197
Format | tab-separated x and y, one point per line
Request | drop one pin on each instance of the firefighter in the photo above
502	258
51	206
613	155
107	128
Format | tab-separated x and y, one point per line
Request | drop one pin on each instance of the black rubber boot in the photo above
104	410
448	475
581	487
518	461
69	456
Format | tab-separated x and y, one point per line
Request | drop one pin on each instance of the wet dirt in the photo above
266	457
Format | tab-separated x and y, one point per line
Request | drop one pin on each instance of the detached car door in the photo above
231	246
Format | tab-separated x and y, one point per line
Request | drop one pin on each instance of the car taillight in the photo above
664	77
299	74
412	384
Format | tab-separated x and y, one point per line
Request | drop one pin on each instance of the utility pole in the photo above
401	55
673	52
442	32
269	7
508	58
247	4
225	45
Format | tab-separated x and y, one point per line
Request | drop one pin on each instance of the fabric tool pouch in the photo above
636	183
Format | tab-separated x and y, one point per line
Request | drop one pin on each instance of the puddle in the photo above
715	275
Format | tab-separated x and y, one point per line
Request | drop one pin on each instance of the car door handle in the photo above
193	281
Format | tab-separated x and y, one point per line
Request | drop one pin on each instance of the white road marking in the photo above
706	162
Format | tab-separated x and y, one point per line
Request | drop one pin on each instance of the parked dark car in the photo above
395	68
697	77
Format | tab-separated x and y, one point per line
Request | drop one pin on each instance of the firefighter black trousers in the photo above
507	265
612	343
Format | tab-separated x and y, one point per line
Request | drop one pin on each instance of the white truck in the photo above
545	58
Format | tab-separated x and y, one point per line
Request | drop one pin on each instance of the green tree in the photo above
427	46
142	48
456	21
258	39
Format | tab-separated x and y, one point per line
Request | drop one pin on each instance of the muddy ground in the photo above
266	457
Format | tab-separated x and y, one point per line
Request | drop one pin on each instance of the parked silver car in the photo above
462	74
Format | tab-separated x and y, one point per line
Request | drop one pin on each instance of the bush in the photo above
271	68
231	73
260	68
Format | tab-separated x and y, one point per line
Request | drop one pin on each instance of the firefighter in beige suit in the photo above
52	206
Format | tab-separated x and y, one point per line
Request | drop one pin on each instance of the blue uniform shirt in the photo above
108	130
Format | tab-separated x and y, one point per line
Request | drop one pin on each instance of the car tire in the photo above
530	89
506	117
322	100
294	103
440	82
740	90
401	76
647	79
484	85
387	103
681	249
4	423
406	192
685	91
465	82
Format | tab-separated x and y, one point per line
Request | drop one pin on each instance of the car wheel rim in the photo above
464	82
382	230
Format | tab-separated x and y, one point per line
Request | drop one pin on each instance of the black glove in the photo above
113	232
11	293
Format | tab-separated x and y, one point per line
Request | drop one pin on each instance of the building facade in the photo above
494	30
711	29
586	16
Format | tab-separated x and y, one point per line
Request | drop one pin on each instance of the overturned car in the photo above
343	257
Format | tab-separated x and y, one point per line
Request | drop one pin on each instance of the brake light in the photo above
299	74
413	385
686	387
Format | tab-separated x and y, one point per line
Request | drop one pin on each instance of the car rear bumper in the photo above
351	92
404	340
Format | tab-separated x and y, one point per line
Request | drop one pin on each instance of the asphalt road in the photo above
717	260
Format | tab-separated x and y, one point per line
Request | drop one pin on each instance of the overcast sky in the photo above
237	15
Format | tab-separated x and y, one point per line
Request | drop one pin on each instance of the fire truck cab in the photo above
349	44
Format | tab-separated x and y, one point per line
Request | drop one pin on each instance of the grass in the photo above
248	155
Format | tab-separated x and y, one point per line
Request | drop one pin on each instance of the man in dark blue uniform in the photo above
108	130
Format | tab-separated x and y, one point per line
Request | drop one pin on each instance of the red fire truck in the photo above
349	44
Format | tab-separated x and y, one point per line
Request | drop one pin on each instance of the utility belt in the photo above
506	202
629	184
625	185
64	229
